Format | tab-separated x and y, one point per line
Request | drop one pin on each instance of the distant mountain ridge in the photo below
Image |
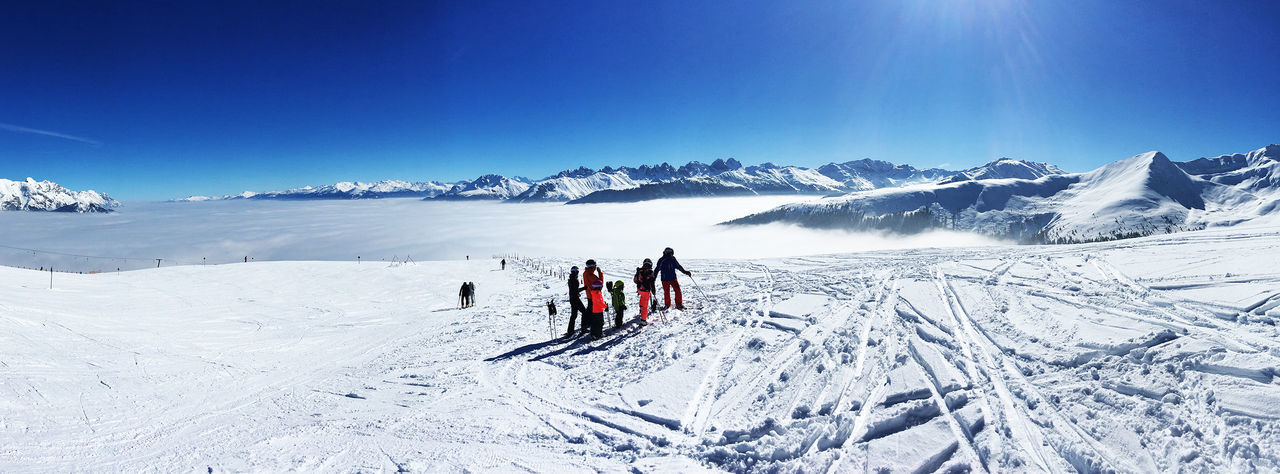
722	177
32	195
1142	195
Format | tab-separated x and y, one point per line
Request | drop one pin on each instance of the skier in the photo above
504	264
471	293
592	274
596	309
619	303
667	266
644	287
575	303
464	295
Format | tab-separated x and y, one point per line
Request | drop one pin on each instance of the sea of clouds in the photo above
396	229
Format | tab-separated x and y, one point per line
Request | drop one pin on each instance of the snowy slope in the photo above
720	178
1007	168
32	195
1149	355
1256	173
1142	195
682	188
489	186
568	186
341	190
866	174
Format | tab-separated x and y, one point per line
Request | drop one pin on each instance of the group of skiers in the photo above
594	285
467	295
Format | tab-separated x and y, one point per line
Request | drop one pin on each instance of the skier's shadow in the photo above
618	335
527	348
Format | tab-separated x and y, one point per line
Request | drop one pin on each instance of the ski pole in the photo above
699	287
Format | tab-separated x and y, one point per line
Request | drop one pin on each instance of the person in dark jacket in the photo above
464	295
575	303
504	264
667	267
644	281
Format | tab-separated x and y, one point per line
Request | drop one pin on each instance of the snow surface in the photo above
1156	354
32	195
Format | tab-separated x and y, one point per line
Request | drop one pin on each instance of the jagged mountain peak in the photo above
33	195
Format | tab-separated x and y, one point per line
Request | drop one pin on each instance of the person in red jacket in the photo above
592	274
596	308
593	281
644	281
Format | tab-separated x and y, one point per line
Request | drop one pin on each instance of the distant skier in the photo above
644	287
596	309
667	266
575	303
619	303
464	295
504	264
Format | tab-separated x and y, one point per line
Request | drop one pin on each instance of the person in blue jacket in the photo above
667	266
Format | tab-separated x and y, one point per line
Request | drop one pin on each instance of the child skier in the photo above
619	303
644	281
596	309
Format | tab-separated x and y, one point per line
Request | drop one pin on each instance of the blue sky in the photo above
155	100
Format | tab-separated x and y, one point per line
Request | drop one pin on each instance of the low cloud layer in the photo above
224	232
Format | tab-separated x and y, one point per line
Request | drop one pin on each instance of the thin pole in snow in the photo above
158	262
50	278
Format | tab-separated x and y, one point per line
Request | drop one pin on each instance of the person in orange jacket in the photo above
644	281
596	308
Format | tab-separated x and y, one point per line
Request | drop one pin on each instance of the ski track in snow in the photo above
1147	355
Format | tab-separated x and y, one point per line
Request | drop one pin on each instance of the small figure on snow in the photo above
471	287
464	296
644	281
575	303
596	309
619	303
504	264
667	266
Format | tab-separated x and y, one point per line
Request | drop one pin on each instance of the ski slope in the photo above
1144	355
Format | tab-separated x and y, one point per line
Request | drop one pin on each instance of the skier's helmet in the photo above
668	252
574	269
648	263
591	263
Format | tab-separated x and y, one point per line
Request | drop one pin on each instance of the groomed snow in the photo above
1147	355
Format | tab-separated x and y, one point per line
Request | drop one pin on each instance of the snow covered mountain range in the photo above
32	195
1143	195
628	184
